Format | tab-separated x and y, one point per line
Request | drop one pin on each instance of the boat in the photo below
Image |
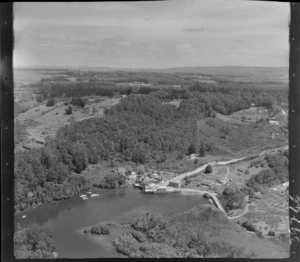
149	190
94	195
83	196
138	186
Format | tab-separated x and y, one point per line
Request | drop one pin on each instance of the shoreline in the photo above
106	240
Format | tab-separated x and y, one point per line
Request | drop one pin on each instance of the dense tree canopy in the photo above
34	243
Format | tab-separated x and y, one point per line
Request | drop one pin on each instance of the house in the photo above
273	122
151	185
150	188
175	184
192	156
162	188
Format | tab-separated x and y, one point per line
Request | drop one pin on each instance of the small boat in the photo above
138	186
94	195
24	216
83	196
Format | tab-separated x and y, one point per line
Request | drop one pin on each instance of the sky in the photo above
159	34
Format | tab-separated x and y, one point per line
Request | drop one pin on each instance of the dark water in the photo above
66	217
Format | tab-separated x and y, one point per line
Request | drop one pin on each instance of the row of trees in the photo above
201	149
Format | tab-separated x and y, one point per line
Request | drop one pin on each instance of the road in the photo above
242	214
213	163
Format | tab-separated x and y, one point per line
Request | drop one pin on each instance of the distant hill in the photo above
250	73
243	72
229	70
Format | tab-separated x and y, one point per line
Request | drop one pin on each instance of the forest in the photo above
185	235
140	129
226	97
34	243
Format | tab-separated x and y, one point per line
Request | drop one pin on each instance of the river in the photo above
66	217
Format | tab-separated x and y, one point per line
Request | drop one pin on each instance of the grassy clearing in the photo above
42	121
250	115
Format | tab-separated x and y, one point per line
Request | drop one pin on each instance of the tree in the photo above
192	149
34	243
271	233
78	102
69	110
50	102
228	191
94	110
129	91
187	180
208	169
99	230
249	226
201	149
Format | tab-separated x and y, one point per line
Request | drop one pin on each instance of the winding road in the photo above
212	195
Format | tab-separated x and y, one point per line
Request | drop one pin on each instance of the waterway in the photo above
66	217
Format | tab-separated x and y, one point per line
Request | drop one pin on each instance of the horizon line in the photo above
139	68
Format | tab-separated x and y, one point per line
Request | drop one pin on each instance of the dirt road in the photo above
178	178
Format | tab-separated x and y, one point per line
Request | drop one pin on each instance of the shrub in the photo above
206	195
187	180
50	102
78	102
192	149
271	233
249	226
196	161
208	169
228	191
69	110
259	234
99	230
